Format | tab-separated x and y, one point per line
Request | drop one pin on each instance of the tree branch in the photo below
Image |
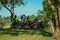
7	8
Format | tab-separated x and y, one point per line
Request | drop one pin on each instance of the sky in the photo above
30	8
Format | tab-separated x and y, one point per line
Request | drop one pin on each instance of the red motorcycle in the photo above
26	24
35	25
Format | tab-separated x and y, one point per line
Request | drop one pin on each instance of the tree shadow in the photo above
16	32
8	31
45	33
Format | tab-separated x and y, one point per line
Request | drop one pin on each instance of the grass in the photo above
17	34
22	37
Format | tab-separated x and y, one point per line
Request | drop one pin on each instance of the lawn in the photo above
17	34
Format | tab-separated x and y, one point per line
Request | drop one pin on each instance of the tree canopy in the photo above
11	2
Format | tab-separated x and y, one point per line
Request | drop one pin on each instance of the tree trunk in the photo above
59	15
57	22
11	11
12	14
51	26
58	11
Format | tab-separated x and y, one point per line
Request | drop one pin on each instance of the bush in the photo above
3	22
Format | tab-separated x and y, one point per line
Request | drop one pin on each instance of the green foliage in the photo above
41	14
31	17
10	4
55	2
47	9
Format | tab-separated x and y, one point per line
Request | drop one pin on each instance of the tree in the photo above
49	13
31	17
10	5
41	14
55	5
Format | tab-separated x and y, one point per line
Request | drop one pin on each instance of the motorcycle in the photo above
35	25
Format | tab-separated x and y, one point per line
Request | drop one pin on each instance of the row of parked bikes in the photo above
26	24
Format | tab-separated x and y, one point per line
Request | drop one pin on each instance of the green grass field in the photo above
17	34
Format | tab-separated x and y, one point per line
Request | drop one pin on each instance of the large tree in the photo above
55	5
10	5
49	13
